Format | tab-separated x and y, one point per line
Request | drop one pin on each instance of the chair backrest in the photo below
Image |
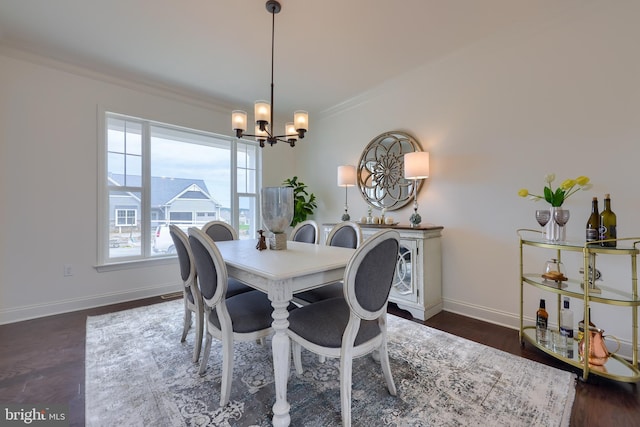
369	275
220	231
212	271
305	231
347	234
185	256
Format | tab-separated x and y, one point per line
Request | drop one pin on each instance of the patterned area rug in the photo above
139	373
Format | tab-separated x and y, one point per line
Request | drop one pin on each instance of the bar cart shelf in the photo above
616	368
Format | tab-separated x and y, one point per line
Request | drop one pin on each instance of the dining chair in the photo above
191	293
356	324
243	317
220	231
305	231
347	234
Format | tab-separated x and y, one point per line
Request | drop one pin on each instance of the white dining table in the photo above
280	274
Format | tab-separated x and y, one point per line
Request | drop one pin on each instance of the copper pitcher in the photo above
598	353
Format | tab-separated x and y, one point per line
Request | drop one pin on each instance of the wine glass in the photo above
543	216
561	217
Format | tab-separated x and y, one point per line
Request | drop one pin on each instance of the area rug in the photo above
139	373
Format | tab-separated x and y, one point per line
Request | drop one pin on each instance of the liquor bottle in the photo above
607	224
566	325
542	318
593	223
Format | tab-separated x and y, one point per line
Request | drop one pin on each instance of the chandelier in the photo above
263	110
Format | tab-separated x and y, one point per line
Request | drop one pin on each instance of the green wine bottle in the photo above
593	223
608	224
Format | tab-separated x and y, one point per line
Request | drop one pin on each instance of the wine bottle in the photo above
593	223
542	318
566	325
607	224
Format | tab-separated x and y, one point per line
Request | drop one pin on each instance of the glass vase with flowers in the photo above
554	229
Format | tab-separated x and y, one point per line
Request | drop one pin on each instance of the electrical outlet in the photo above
68	270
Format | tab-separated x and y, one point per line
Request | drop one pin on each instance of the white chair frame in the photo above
225	334
348	351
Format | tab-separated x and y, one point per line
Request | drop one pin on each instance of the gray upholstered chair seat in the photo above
249	311
334	290
324	322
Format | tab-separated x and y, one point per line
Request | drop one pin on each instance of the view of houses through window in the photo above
158	174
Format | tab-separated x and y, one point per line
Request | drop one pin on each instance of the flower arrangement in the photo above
563	192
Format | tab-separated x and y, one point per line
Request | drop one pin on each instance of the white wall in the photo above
555	96
48	157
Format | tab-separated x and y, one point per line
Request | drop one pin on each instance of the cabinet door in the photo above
404	283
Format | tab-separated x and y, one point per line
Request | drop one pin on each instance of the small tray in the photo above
377	225
554	278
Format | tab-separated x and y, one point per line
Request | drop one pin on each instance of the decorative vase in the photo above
277	213
554	232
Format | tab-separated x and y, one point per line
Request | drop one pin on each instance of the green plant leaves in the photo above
305	203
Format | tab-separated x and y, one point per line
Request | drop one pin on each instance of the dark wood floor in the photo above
42	362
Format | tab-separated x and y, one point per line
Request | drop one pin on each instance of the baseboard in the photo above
486	314
19	314
511	320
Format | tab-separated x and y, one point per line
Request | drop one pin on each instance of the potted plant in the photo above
305	203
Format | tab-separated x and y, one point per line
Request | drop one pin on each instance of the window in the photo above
126	217
157	174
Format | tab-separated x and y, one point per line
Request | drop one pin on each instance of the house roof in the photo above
166	189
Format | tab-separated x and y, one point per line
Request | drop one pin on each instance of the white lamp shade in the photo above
346	176
301	120
290	131
416	165
239	120
261	134
262	111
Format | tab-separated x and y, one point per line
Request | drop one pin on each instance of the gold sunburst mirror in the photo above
381	170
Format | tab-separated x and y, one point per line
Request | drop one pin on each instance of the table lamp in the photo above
346	179
416	166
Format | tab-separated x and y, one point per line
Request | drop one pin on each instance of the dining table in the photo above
281	274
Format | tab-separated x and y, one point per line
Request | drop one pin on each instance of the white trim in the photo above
50	308
508	320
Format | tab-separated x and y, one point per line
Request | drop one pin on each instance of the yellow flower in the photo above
567	184
582	180
559	195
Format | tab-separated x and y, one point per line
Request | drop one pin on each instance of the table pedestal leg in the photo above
281	353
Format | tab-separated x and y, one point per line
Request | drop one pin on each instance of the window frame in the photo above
107	263
126	217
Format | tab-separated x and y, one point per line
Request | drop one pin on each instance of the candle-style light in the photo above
416	166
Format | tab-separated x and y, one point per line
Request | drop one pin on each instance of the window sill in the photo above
139	263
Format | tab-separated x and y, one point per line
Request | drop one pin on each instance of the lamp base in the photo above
415	219
278	241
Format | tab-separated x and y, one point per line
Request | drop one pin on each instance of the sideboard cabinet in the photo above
417	285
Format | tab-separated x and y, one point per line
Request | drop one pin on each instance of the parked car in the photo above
162	241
